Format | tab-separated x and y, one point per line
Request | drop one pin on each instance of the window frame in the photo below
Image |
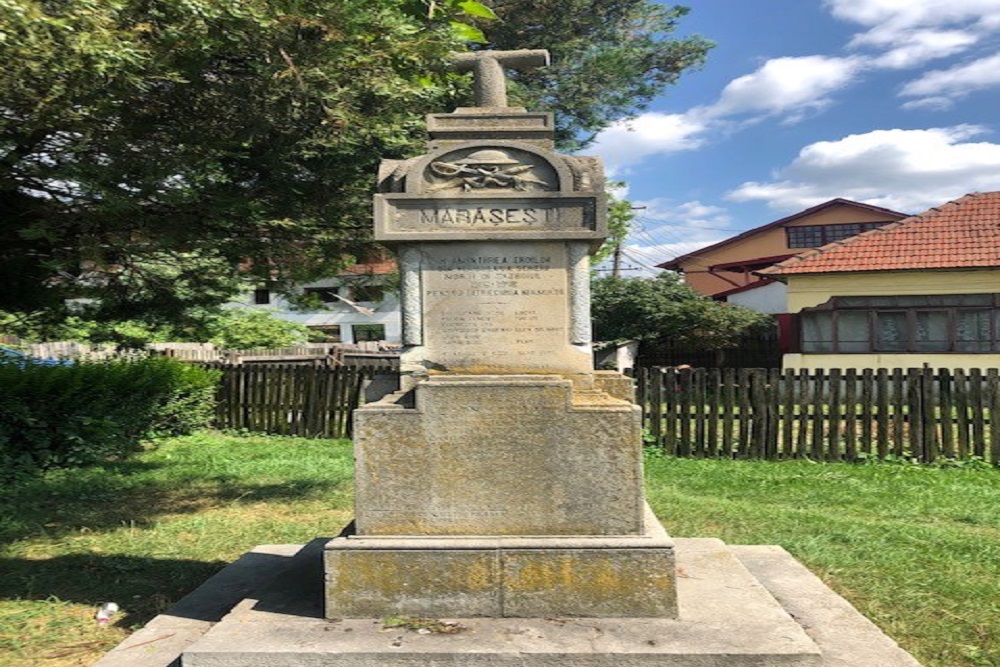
826	234
836	308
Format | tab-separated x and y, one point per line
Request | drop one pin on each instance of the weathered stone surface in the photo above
499	455
497	308
490	82
502	576
727	620
375	583
604	583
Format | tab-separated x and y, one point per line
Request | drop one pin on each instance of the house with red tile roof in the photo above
726	270
923	291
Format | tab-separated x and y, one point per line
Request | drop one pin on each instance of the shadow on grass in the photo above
142	587
118	495
290	584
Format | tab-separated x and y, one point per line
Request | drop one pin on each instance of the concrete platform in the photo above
746	606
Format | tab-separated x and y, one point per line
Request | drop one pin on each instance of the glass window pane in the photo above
817	332
852	331
972	331
932	331
890	331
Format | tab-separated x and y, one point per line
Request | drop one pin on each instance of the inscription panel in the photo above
514	458
498	306
401	217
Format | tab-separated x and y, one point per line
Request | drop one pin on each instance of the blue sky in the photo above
890	102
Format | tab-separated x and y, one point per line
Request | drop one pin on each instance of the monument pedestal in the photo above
503	496
500	577
740	606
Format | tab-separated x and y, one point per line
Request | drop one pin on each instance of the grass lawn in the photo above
917	549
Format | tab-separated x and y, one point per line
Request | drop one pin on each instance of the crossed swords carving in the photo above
473	177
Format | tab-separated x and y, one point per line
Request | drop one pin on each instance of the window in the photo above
931	323
330	332
814	236
367	293
324	294
261	297
367	332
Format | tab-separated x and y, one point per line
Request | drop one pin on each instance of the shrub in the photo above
69	416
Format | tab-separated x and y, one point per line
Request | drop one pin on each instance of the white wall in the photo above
771	298
386	312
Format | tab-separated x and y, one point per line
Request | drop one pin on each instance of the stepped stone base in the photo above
739	606
502	576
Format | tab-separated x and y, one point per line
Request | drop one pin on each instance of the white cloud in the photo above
629	142
922	46
665	229
783	86
957	81
906	170
915	31
786	85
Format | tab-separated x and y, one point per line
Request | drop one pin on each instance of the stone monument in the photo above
505	477
500	516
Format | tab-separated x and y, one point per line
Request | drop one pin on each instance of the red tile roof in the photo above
377	267
964	233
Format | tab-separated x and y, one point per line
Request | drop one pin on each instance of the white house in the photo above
356	306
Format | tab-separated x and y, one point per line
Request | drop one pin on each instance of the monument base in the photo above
500	577
739	606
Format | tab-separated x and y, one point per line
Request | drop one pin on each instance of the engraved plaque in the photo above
490	306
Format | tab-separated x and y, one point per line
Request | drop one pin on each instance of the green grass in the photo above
917	549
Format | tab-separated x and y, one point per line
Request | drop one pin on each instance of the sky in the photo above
889	102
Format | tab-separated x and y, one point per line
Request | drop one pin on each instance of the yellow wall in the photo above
769	243
807	291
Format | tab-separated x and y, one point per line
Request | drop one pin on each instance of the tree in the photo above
664	308
154	152
147	144
610	58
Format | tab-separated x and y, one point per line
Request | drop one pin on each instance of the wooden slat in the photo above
868	392
816	448
730	379
993	405
977	415
686	378
850	394
834	405
962	413
712	403
914	414
898	402
743	413
946	416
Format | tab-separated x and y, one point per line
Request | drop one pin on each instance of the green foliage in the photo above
148	150
610	58
229	328
69	416
245	329
664	308
620	217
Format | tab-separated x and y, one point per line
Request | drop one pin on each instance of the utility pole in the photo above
616	261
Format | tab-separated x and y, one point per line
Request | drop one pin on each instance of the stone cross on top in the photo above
487	67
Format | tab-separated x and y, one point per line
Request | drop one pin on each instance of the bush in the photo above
70	416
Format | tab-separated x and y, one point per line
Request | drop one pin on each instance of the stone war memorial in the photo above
500	516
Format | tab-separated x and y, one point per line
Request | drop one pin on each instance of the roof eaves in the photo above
674	264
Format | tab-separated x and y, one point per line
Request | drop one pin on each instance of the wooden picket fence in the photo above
291	399
916	414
